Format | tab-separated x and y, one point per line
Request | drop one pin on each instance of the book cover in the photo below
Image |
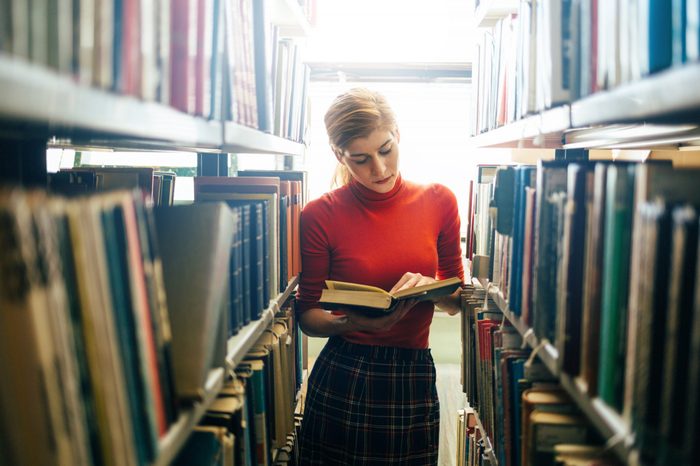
549	429
212	188
568	339
681	296
616	258
691	447
371	299
551	179
210	227
595	230
528	256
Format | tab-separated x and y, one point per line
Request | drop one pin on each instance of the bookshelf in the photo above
656	111
176	437
37	99
239	138
488	12
489	451
54	103
239	344
663	97
42	107
543	130
608	422
289	16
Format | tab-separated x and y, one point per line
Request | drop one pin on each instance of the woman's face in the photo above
373	161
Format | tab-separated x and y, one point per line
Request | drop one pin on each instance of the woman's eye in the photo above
361	161
385	151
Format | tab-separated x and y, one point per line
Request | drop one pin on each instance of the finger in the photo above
406	277
411	282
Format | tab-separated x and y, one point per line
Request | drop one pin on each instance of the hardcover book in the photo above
375	300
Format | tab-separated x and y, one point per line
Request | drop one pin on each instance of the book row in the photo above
553	52
472	445
599	259
528	419
158	185
265	248
218	59
253	421
113	314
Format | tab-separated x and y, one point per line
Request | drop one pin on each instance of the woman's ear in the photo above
338	154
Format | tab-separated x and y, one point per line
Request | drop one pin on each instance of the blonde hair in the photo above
355	114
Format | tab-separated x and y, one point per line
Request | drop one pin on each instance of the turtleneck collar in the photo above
366	195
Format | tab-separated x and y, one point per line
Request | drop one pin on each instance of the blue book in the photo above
678	31
692	31
660	35
524	176
203	448
517	372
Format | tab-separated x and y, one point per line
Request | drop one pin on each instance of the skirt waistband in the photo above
379	352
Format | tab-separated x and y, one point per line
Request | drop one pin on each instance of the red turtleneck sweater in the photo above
357	235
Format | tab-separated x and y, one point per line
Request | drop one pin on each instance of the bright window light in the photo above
392	31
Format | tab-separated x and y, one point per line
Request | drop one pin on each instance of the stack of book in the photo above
599	260
221	60
525	416
553	52
159	186
253	419
265	249
86	337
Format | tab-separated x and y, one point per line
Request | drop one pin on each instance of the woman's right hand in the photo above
358	322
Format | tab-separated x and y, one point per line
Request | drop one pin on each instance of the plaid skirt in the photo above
370	405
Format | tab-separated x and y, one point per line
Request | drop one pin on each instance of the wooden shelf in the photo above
242	139
543	130
288	15
605	419
170	445
489	12
239	344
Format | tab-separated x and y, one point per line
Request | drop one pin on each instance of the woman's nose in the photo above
378	165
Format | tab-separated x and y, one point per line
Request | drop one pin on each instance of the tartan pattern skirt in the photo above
370	405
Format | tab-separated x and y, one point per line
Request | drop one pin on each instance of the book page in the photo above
334	285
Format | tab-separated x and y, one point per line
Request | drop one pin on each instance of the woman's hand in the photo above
409	280
357	322
449	304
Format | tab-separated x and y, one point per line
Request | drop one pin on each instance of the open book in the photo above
339	295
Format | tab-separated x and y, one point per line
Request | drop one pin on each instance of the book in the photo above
371	298
614	283
681	294
199	238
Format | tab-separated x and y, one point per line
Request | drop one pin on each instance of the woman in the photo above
371	396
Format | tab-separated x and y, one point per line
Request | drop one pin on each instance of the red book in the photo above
142	312
182	82
131	48
202	74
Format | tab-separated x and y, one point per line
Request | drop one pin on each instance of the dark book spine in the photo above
236	277
680	312
247	277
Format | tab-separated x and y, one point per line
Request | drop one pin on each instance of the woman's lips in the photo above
385	180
